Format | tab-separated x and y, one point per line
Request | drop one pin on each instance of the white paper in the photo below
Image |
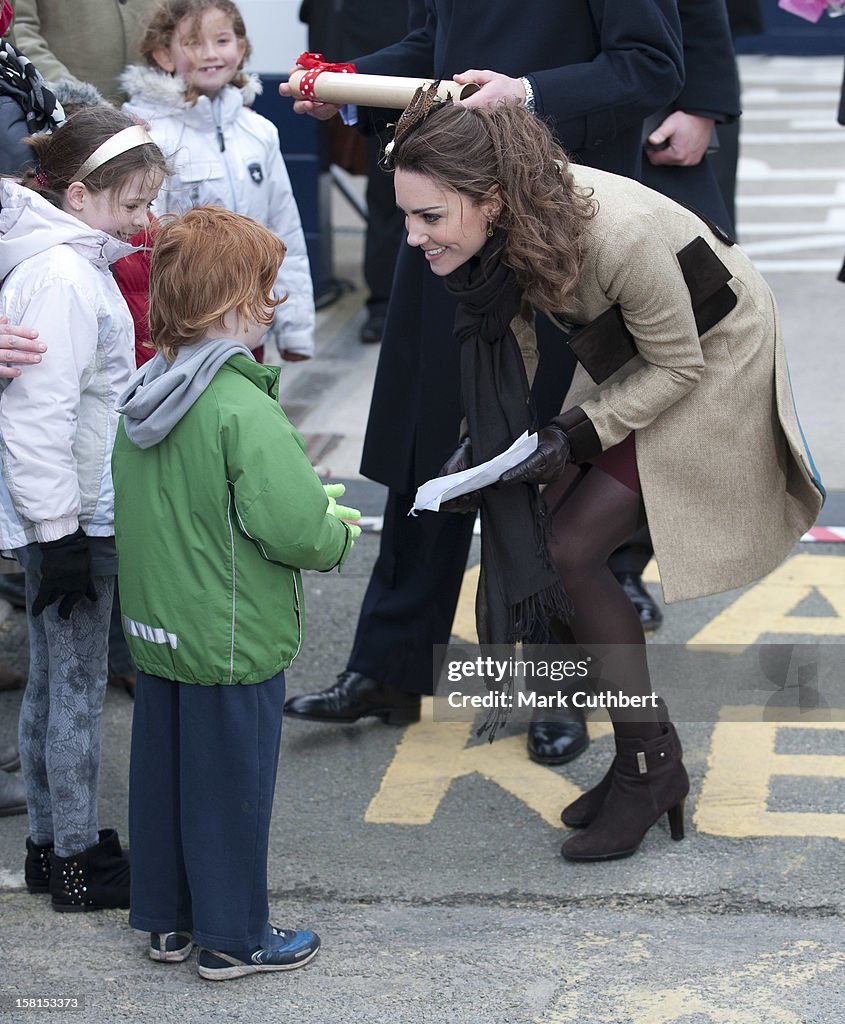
433	493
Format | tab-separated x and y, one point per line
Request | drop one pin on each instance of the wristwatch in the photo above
530	103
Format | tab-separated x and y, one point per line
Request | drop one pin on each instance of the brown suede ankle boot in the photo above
649	779
581	812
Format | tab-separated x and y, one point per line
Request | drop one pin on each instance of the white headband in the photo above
128	138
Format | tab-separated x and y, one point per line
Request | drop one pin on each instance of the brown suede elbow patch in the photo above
584	440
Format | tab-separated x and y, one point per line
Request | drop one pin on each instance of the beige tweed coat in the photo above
728	483
84	40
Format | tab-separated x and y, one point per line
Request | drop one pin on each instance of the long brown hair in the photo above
477	150
62	153
167	15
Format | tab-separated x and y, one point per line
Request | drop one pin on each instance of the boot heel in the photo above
676	820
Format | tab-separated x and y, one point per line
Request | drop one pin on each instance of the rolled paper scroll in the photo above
372	90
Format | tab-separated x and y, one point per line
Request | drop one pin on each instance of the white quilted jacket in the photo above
224	153
58	419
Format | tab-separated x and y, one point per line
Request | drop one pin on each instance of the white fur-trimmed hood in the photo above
149	86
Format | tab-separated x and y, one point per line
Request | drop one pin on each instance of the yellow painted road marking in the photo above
765	608
464	622
748	994
742	761
432	754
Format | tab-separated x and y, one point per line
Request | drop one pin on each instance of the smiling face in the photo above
447	226
207	55
119	212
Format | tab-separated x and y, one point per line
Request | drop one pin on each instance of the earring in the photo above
490	230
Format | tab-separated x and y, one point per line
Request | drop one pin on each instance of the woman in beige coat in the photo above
680	414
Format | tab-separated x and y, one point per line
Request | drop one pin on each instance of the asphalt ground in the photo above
428	860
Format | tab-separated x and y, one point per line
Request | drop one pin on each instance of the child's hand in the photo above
344	512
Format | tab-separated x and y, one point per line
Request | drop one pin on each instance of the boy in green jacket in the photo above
216	511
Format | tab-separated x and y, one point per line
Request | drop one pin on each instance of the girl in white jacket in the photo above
195	98
59	232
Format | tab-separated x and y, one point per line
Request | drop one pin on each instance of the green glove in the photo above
350	516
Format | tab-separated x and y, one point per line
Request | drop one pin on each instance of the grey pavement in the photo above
428	859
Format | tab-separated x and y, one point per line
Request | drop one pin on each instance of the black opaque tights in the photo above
592	515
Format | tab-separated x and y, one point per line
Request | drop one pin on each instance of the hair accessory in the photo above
126	139
423	102
40	177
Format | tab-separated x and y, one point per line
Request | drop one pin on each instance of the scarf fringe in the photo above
529	620
529	625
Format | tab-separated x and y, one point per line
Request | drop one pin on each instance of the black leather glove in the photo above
457	462
546	463
65	574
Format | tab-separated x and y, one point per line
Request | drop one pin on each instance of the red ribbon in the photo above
315	65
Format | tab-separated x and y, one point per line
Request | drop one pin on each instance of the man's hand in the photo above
688	136
494	88
18	345
322	111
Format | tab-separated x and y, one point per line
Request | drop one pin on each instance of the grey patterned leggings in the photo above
59	732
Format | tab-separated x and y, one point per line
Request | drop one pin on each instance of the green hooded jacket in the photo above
214	517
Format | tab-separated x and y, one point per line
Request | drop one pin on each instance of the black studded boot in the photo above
96	879
36	869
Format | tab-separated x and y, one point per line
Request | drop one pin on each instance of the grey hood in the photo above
160	393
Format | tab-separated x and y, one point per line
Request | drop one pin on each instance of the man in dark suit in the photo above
368	25
678	163
595	70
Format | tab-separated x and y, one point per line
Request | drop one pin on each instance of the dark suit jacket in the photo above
598	67
746	17
711	88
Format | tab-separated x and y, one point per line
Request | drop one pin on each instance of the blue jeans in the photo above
202	778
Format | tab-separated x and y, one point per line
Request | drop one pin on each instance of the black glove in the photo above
65	574
546	463
457	462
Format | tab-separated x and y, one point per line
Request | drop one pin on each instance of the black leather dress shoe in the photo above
356	696
556	742
10	678
13	588
10	758
12	795
650	615
373	329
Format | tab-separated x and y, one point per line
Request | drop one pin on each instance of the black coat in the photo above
598	67
15	155
711	88
746	17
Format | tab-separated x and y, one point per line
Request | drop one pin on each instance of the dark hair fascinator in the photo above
424	101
